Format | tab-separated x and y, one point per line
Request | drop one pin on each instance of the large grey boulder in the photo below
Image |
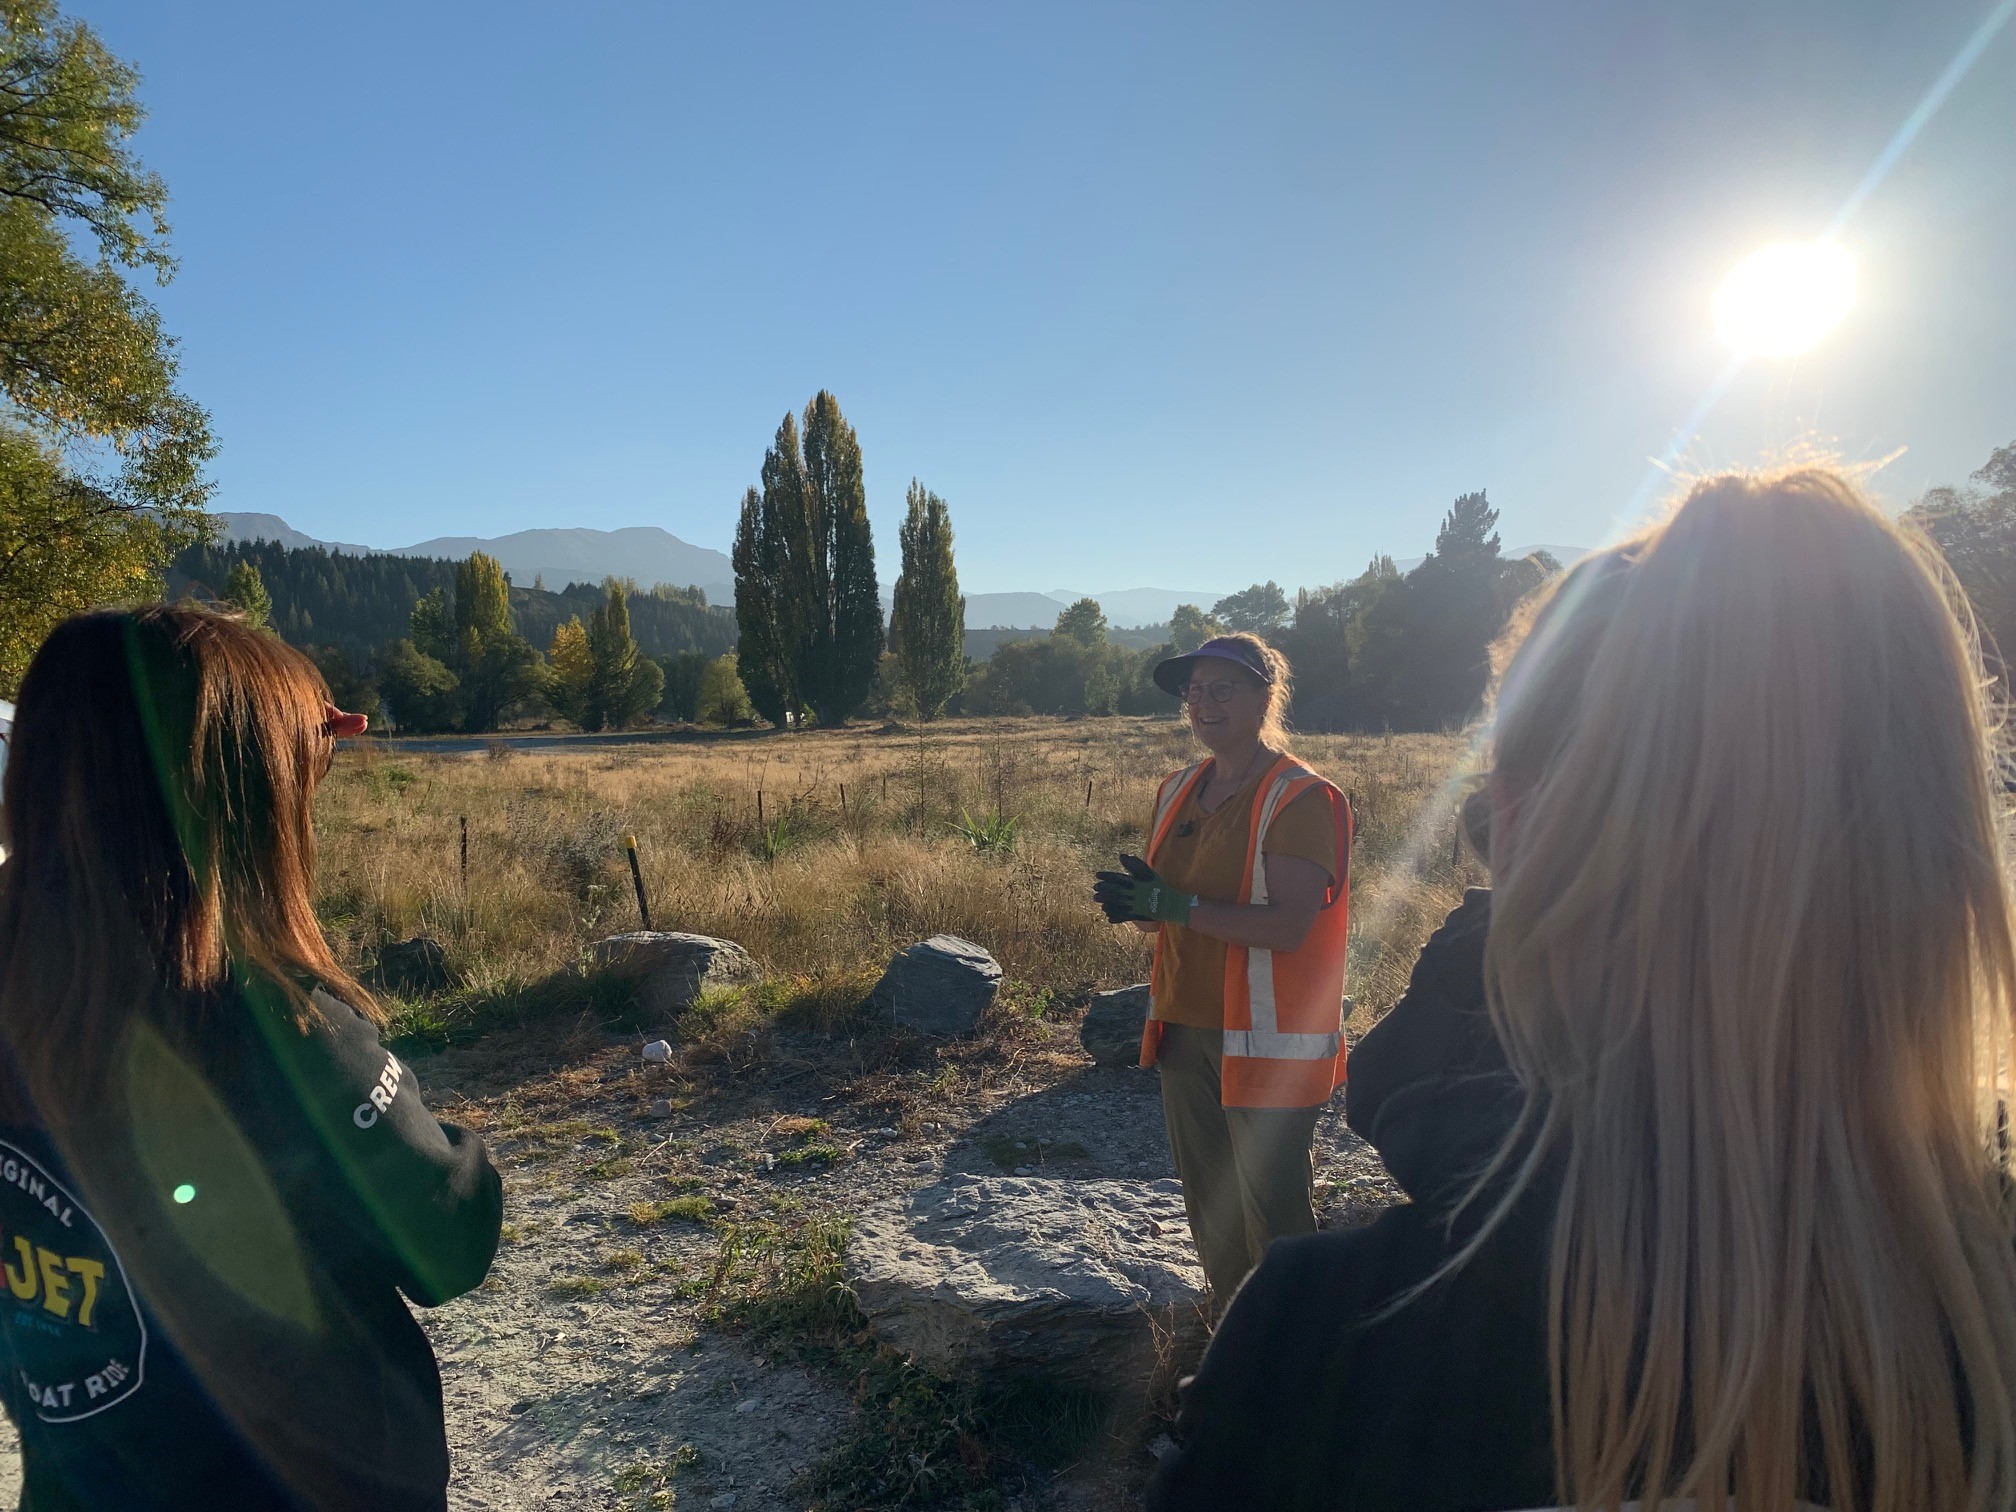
940	986
1111	1033
672	969
1089	1281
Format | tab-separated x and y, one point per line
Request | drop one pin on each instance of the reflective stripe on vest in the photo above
1264	1040
1167	801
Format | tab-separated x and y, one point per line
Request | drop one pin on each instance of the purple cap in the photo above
1171	675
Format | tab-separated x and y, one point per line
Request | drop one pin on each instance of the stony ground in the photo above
583	1375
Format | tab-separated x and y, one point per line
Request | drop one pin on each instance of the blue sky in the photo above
1176	294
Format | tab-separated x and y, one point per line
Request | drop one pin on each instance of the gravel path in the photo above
579	1375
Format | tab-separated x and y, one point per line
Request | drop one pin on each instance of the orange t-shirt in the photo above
1205	854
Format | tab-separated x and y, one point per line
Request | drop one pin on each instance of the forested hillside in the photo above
359	603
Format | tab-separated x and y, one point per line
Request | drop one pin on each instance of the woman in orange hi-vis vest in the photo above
1246	887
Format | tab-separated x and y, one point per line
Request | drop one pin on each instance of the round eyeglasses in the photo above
1217	692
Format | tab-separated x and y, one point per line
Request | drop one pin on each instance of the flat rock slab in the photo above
673	969
939	986
1088	1281
1111	1033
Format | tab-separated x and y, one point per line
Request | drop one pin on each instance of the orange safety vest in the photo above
1284	1012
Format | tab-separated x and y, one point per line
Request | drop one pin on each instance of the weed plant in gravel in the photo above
916	1440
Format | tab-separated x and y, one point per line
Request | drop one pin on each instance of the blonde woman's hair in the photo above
1751	956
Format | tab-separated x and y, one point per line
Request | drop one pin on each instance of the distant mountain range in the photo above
652	556
644	552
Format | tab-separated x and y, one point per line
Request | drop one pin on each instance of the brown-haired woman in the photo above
214	1181
1246	889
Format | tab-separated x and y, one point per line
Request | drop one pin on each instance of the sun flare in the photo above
1781	301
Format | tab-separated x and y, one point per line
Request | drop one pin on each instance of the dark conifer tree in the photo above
245	591
928	624
625	684
844	644
806	600
1428	647
760	633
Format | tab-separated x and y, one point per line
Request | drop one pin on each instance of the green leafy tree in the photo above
420	692
431	626
245	591
351	687
1325	644
1083	622
684	672
928	624
482	599
1998	474
1261	609
496	666
1190	627
625	684
475	638
101	457
1059	675
723	699
570	672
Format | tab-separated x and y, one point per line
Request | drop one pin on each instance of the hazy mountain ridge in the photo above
651	556
644	553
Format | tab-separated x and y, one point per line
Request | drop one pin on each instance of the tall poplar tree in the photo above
496	665
570	669
773	583
806	600
482	599
844	647
928	624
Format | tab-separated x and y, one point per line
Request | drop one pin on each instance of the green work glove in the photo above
1137	893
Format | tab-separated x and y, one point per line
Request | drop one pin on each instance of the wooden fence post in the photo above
637	881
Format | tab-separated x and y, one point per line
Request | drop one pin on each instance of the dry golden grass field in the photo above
669	1314
823	852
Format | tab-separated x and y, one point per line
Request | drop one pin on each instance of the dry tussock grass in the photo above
824	851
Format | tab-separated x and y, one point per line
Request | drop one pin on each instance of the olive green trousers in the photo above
1247	1174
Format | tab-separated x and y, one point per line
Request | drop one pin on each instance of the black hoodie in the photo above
202	1305
1313	1394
